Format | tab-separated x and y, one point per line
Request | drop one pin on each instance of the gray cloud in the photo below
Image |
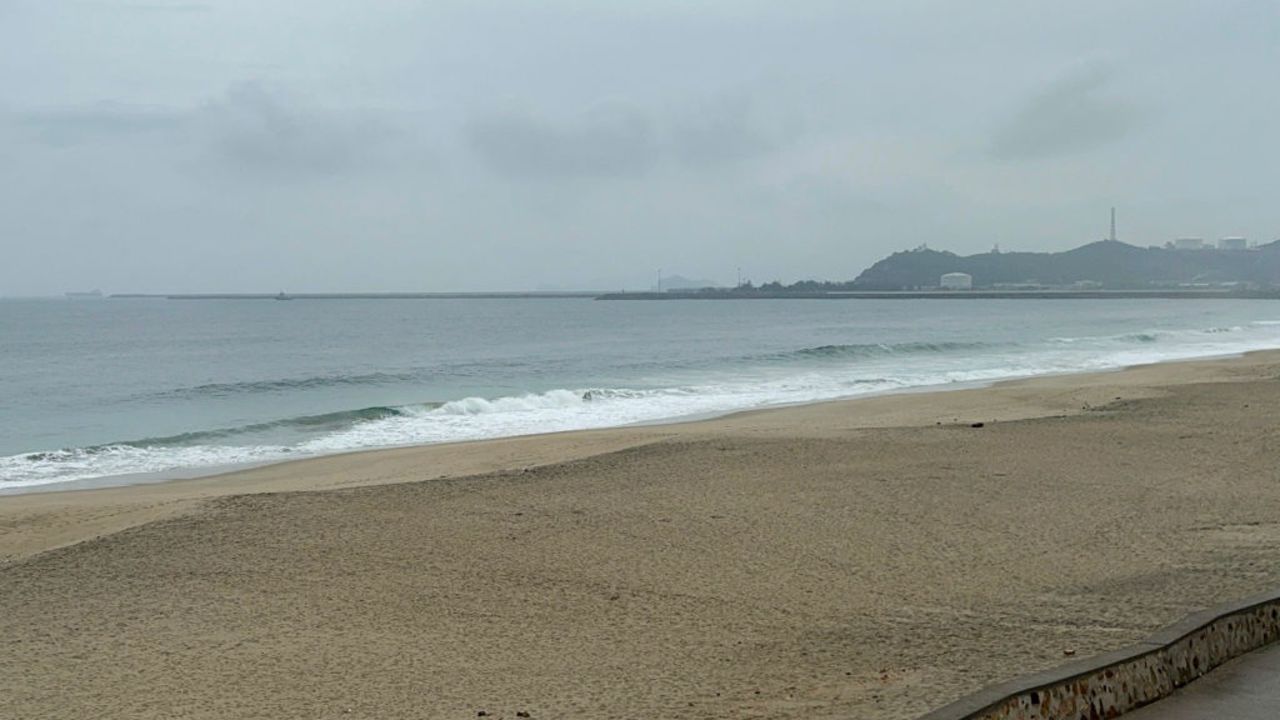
614	139
1075	113
725	130
102	121
610	139
251	127
174	6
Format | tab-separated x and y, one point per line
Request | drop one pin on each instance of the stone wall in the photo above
1109	685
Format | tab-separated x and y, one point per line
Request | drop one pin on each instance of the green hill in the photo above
1115	265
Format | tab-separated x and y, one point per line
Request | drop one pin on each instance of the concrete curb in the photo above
1113	683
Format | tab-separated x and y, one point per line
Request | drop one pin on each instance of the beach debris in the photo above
977	425
522	714
1068	652
482	713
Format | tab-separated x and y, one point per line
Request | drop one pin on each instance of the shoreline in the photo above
204	472
1005	400
875	557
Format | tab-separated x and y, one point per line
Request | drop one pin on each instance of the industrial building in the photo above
956	281
1233	243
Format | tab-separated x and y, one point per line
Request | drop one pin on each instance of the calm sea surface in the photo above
98	388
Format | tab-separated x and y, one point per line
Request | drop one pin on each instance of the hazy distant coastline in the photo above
1107	269
956	295
751	294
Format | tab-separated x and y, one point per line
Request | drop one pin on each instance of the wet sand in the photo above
869	558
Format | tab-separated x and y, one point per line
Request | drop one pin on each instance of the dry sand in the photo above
872	558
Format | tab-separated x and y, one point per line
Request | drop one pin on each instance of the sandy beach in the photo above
870	558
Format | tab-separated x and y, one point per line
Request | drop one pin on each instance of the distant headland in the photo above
1185	268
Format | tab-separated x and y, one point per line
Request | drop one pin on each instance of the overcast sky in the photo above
152	146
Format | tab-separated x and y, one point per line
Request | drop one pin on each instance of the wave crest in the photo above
879	349
283	385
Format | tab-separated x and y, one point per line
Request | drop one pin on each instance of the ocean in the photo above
123	388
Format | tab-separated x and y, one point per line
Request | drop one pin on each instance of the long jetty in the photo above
363	296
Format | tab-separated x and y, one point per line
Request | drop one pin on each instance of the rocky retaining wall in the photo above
1109	685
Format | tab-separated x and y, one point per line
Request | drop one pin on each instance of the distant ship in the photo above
282	296
91	295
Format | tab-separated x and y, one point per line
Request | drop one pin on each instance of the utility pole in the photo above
1113	224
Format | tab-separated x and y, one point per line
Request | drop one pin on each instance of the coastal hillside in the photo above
1111	264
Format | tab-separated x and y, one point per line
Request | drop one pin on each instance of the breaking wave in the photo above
805	374
883	349
282	385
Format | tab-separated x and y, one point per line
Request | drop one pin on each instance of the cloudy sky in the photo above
155	145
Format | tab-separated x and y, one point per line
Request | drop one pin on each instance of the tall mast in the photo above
1113	224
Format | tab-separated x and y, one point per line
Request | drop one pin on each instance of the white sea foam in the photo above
804	376
83	463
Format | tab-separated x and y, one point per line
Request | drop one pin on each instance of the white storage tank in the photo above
956	281
1233	243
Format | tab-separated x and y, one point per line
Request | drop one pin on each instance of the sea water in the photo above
103	388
